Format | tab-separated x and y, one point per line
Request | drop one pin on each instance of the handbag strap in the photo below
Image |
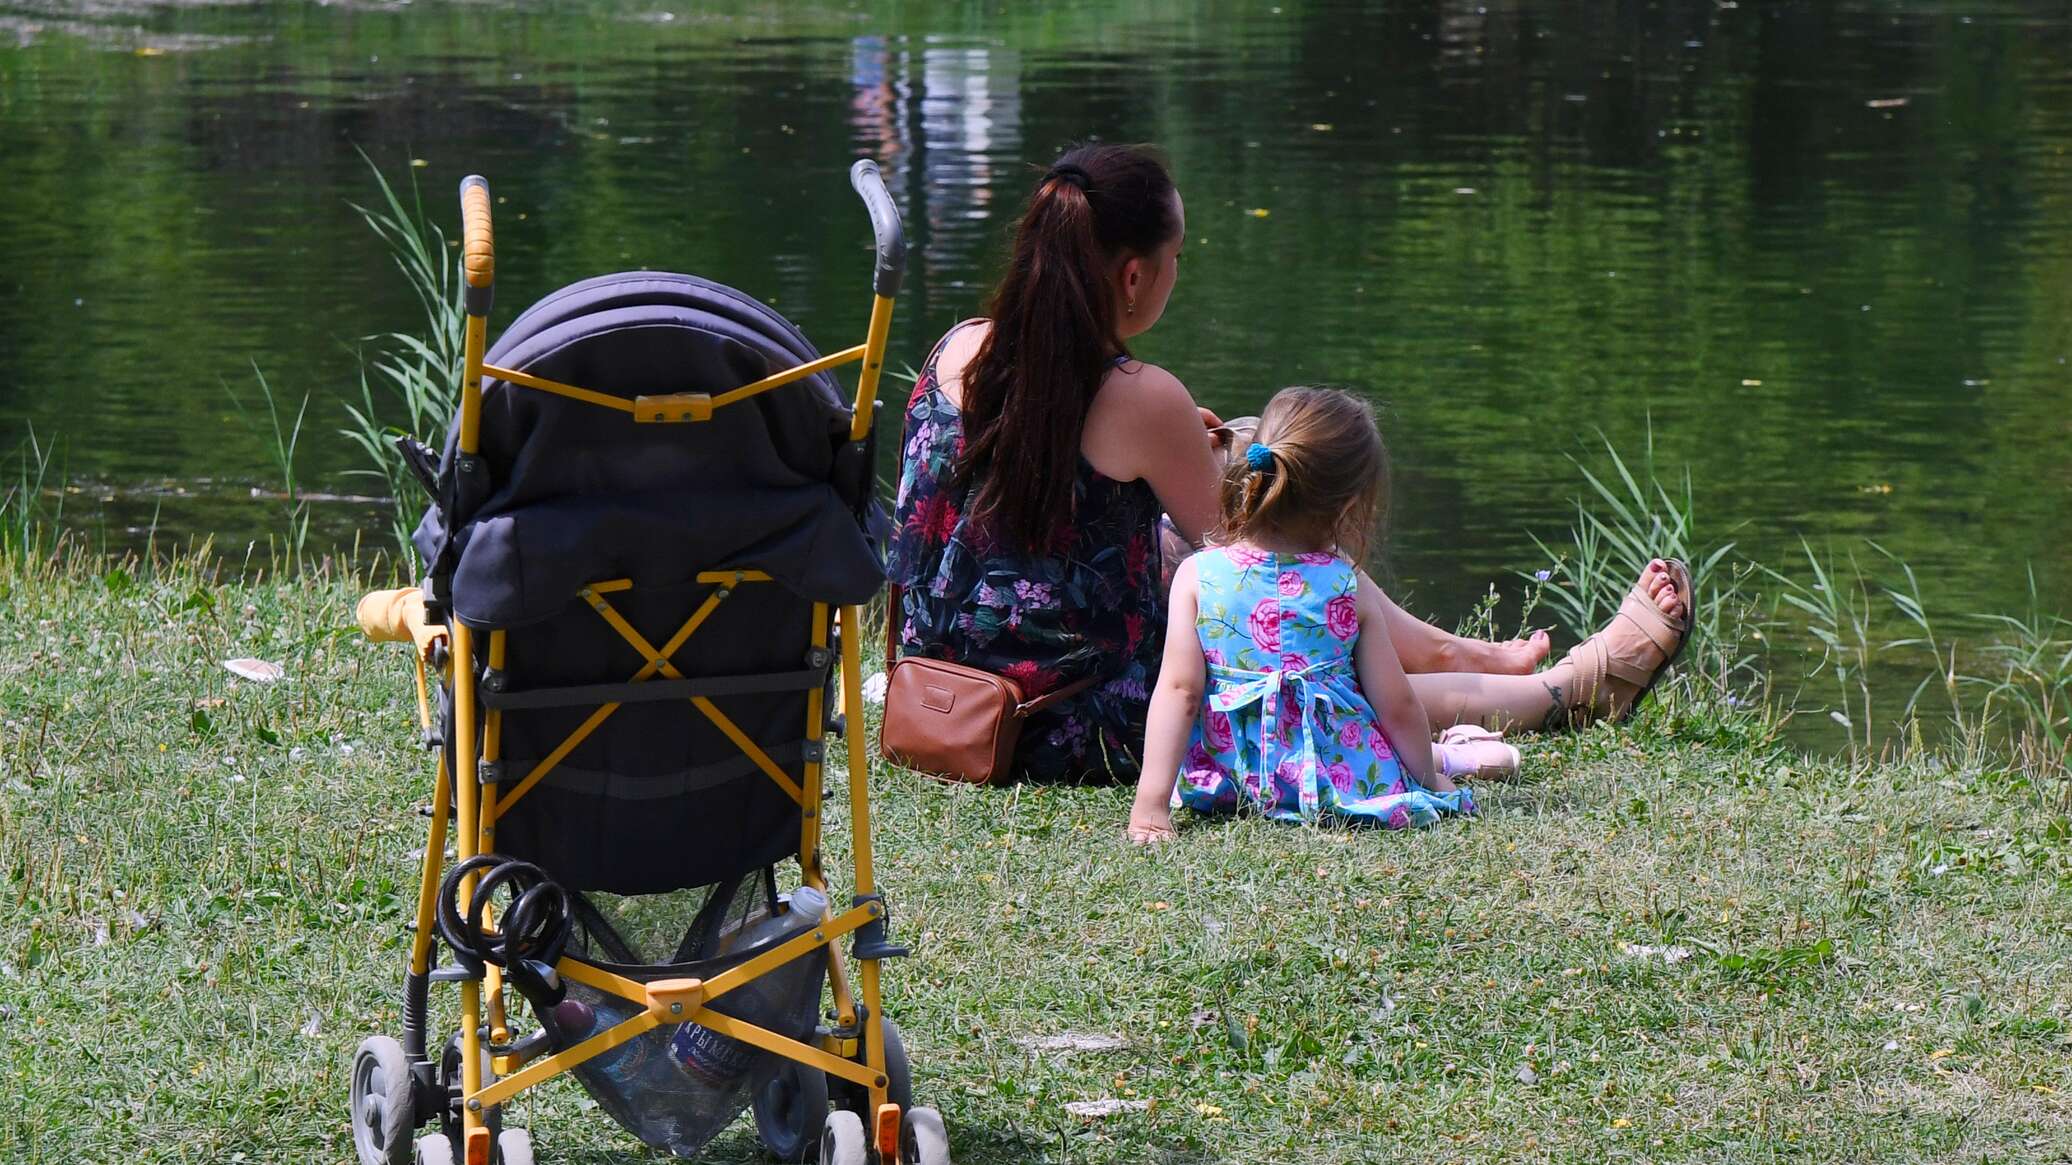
892	629
1031	707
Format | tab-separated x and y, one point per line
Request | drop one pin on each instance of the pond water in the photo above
1823	252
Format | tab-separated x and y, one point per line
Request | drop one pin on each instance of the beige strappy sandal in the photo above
1597	674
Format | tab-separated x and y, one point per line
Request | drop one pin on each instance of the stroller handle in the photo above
397	616
478	242
891	236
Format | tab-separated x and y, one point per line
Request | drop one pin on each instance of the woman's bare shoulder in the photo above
1138	421
1144	392
959	348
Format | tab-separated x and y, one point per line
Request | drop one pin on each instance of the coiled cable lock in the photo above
528	939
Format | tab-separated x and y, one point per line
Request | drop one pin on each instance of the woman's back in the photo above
1087	603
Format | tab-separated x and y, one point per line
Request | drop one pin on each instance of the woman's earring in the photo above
1130	308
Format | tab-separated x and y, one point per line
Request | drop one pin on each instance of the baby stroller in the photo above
638	630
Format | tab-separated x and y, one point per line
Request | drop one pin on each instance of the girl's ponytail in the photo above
1316	474
1027	391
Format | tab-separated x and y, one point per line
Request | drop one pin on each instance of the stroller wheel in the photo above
922	1139
841	1139
899	1076
790	1110
514	1147
383	1112
434	1149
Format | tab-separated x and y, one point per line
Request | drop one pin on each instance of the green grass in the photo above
207	885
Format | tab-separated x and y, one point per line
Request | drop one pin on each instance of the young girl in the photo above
1275	644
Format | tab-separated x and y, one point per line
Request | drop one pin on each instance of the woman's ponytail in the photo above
1027	391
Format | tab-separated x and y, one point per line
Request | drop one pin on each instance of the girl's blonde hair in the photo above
1321	480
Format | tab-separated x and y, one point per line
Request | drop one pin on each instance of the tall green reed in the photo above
2030	680
409	382
1854	625
27	514
285	438
1627	517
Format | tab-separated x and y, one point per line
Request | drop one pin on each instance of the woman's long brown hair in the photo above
1027	391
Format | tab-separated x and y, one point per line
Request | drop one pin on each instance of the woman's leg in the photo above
1537	702
1424	648
1543	701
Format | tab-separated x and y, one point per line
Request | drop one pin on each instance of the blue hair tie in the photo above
1258	456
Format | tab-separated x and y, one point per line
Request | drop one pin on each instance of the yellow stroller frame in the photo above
854	1049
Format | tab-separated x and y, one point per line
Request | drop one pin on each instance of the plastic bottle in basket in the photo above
718	1061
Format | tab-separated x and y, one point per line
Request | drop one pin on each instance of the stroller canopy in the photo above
565	493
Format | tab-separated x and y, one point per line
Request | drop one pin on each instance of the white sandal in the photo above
1470	752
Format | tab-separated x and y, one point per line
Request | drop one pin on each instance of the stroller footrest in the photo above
872	940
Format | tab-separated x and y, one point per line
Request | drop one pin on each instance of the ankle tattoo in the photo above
1557	713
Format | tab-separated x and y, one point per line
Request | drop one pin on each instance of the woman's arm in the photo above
1175	702
1389	691
1144	426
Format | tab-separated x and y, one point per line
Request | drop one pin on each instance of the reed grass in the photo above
1883	669
29	509
409	382
283	439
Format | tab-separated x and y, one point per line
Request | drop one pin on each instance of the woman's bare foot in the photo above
1514	657
1655	581
1521	657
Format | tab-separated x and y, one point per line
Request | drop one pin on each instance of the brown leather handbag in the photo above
951	721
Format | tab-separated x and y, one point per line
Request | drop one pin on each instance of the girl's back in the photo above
1259	610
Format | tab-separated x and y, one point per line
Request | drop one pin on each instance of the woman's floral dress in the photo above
1284	727
1089	606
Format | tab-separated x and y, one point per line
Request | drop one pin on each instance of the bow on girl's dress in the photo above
1281	692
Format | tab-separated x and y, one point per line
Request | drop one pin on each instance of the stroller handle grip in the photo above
478	242
397	617
885	225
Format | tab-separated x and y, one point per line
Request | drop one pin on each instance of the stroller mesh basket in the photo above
646	1084
636	636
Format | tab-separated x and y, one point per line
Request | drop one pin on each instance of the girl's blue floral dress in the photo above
1284	727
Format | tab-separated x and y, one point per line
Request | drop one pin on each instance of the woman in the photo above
1039	455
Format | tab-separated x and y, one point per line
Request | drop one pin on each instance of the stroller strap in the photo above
654	691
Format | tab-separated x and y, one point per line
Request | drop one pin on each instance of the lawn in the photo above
1672	941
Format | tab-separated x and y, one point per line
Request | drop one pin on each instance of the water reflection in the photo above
944	120
1822	252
